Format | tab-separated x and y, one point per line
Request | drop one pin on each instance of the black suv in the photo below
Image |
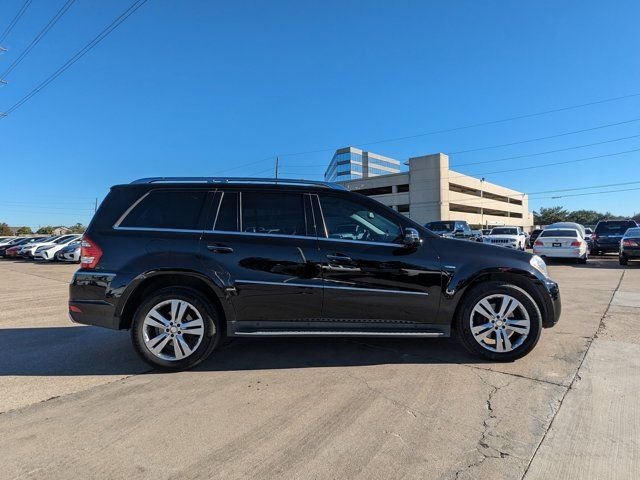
184	262
607	235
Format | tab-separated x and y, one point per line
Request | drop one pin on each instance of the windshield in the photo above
504	231
441	226
614	228
560	233
633	232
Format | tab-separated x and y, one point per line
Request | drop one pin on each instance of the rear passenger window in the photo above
227	219
274	213
176	209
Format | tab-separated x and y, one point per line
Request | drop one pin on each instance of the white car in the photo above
47	251
29	250
70	253
6	240
510	237
562	243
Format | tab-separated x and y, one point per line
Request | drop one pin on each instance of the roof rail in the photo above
231	180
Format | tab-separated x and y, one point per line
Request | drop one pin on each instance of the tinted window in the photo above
273	213
349	220
633	232
178	209
560	233
504	231
614	228
441	226
227	219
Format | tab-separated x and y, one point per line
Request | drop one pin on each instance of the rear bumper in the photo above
606	246
559	252
92	300
630	253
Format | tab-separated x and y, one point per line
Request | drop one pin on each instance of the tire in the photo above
595	253
583	260
623	260
175	349
521	342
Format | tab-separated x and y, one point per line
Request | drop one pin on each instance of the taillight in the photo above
576	244
539	243
90	253
630	243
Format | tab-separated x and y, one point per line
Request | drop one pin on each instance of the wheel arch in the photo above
457	291
143	284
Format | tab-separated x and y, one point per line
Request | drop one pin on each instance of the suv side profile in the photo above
185	262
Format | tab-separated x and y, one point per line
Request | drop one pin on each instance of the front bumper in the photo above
552	303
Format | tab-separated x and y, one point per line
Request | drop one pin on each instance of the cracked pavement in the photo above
76	401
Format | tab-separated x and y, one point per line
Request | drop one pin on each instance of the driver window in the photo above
348	220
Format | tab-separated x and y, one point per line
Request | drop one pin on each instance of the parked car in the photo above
476	235
510	237
70	253
486	231
630	246
534	234
451	229
13	251
28	250
607	235
6	240
185	262
588	234
562	243
48	252
576	226
11	243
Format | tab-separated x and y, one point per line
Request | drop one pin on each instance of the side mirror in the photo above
411	238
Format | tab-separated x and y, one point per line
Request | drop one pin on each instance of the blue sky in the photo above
205	88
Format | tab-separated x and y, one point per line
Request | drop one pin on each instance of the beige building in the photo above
430	191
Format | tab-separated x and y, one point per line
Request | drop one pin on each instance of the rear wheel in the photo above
623	260
175	328
499	321
583	259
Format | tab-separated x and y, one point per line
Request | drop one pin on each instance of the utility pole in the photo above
277	162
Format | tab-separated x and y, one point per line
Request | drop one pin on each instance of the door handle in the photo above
339	257
219	248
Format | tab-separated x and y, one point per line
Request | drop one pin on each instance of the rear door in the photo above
257	244
369	275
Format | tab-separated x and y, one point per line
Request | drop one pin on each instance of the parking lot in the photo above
76	402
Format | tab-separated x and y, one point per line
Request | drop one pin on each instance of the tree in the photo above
636	217
547	216
5	230
48	230
24	231
77	228
585	217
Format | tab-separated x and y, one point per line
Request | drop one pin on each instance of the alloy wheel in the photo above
173	330
500	323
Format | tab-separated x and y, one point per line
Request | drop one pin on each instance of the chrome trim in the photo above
364	242
324	285
253	234
128	210
152	229
324	224
215	220
335	333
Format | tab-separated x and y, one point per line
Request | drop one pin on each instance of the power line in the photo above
15	20
84	50
474	125
37	39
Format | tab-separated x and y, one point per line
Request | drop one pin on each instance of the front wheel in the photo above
498	321
175	328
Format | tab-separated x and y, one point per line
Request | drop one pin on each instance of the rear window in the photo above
614	228
274	213
175	209
559	233
633	232
227	218
441	226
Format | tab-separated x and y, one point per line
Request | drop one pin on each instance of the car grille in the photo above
499	240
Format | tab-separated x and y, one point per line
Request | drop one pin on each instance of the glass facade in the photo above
344	166
352	164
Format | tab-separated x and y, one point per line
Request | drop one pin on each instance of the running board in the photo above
335	333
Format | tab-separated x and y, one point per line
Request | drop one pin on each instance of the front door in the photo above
369	275
258	246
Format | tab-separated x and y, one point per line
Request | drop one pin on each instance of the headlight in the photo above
538	263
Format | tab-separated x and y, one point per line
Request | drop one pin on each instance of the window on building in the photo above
375	191
274	213
404	208
175	209
403	188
